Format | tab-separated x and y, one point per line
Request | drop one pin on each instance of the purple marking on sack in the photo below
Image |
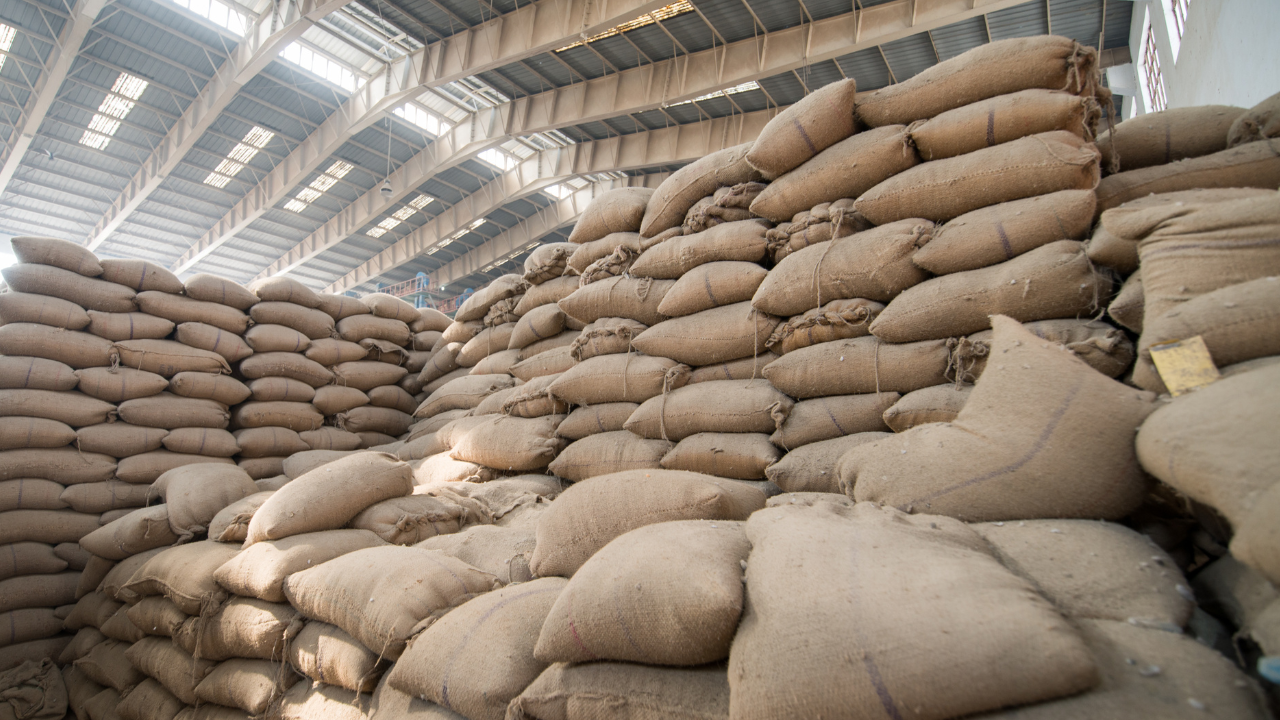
805	136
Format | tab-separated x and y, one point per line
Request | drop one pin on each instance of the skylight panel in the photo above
115	106
377	232
421	201
419	117
744	87
337	170
498	159
239	156
295	205
663	13
404	213
320	65
221	14
7	34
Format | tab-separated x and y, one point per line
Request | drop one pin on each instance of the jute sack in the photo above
276	338
547	364
997	68
327	654
589	514
805	129
1003	119
711	336
92	610
1126	309
587	254
107	665
31	591
997	233
35	373
620	210
268	389
71	408
877	154
57	253
1253	165
686	186
76	349
392	396
360	327
487	341
463	393
812	468
479	657
195	494
265	471
540	323
893	567
315	324
46	526
30	558
28	624
618	297
1077	568
366	375
31	494
442	362
1053	281
711	285
859	366
68	466
249	685
168	358
533	399
1105	348
157	615
119	439
388	306
551	291
140	275
561	340
166	410
180	309
149	700
945	189
608	452
329	438
1237	323
511	443
1256	542
1258	122
331	351
605	336
231	523
875	264
128	326
212	288
119	384
440	468
391	704
498	363
290	365
461	332
426	340
607	689
202	441
147	467
89	293
220	388
330	496
184	574
284	289
1163	137
1013	450
260	570
17	307
836	320
742	456
547	262
597	418
477	306
302	463
735	241
618	378
112	584
423	446
500	551
407	586
715	406
937	404
34	651
80	689
410	520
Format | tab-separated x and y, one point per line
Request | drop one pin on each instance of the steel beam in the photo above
45	91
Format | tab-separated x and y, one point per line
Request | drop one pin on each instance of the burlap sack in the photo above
540	365
331	351
533	399
945	189
269	389
1019	648
620	297
33	591
390	704
276	338
1105	348
997	68
488	341
715	406
146	467
249	685
65	408
1126	308
721	334
711	285
18	307
813	467
299	464
184	574
392	396
180	309
994	234
1013	450
202	441
168	358
587	254
1253	165
875	265
57	253
736	241
836	320
116	439
87	292
476	306
334	399
149	700
219	388
479	657
642	692
560	340
742	456
212	288
194	494
615	211
551	291
1053	281
410	520
673	198
1163	137
284	289
877	154
231	523
618	378
407	586
92	609
31	494
260	570
46	526
538	324
464	393
859	366
166	410
441	468
128	326
327	654
329	438
1237	323
35	373
390	307
315	324
119	384
1258	122
511	443
937	404
76	349
140	275
605	336
1003	119
805	129
426	340
331	495
263	470
34	651
157	615
608	452
107	665
290	365
68	466
362	327
28	624
547	262
500	551
590	514
367	375
244	627
597	418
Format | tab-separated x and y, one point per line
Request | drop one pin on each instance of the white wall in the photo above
1230	54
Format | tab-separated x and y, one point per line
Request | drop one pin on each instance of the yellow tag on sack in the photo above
1184	365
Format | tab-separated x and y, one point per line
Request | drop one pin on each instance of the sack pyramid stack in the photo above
862	418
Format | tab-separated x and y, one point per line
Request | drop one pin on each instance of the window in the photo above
220	14
6	41
399	216
744	87
1149	75
416	115
1175	19
113	109
239	156
320	65
312	192
498	159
